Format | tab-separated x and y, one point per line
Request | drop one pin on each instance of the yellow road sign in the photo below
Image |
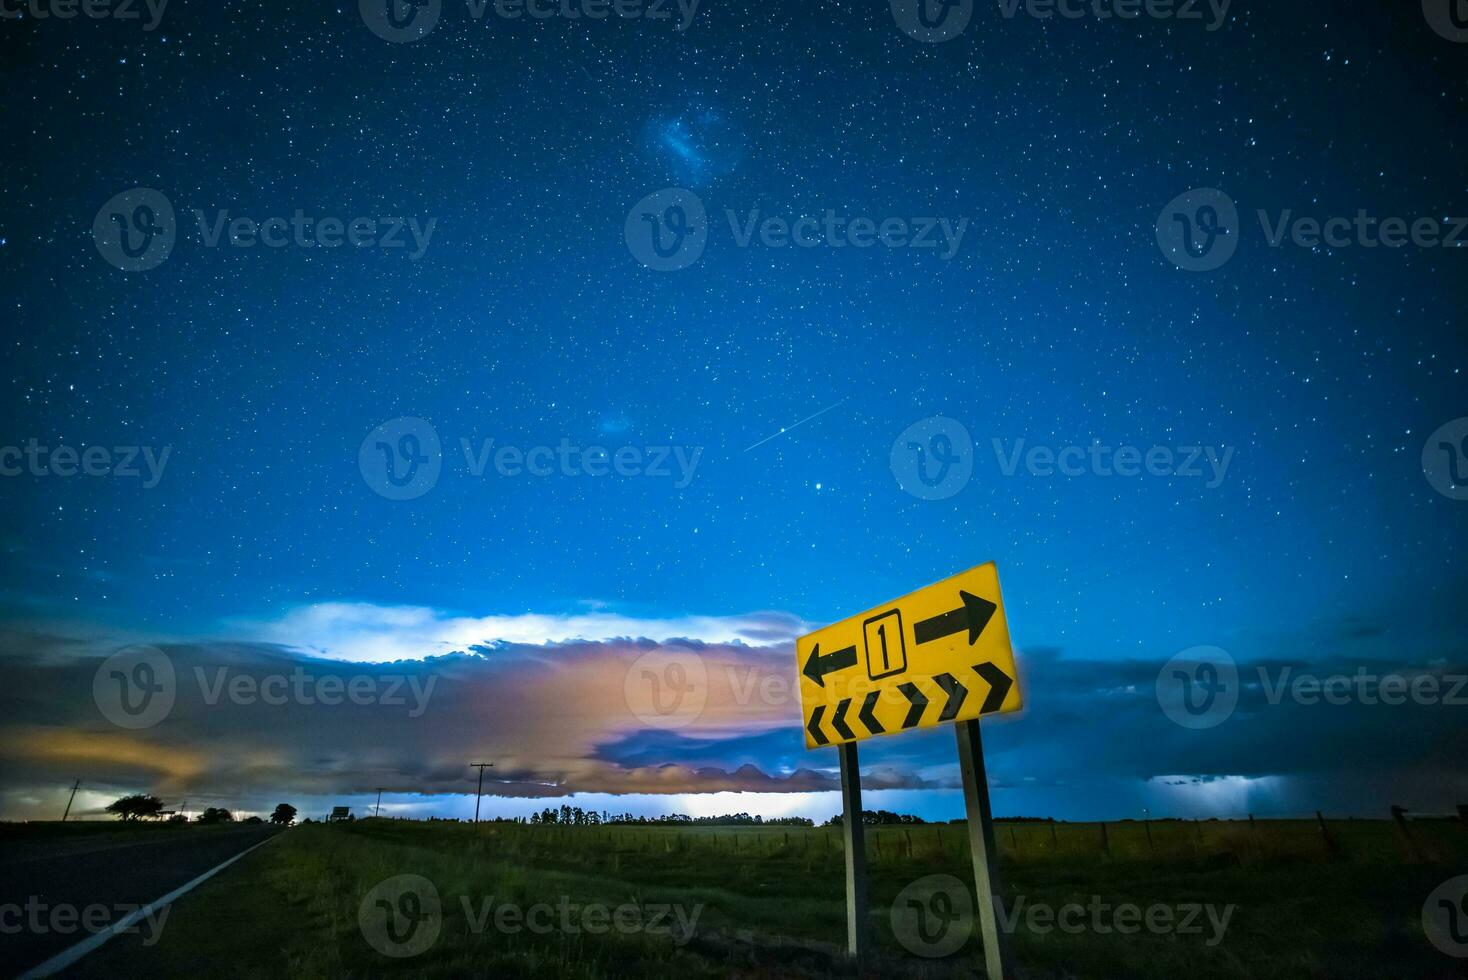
937	655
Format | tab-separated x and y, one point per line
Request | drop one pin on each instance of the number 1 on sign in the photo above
886	647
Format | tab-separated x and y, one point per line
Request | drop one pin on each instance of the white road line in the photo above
71	954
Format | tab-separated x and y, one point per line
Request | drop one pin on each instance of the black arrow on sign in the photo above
867	718
919	702
815	726
838	720
973	616
956	693
999	685
817	666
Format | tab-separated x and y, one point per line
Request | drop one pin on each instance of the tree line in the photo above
145	806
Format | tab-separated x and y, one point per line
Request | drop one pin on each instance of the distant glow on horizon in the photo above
1223	796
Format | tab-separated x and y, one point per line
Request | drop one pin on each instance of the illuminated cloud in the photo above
367	633
689	708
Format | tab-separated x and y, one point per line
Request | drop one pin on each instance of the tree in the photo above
136	806
284	814
216	814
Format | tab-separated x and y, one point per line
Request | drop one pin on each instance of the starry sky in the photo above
529	319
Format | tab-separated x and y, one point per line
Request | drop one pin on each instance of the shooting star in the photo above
795	424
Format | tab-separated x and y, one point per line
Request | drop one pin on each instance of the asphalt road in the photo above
55	892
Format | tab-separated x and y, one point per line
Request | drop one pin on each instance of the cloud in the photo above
405	698
367	633
266	718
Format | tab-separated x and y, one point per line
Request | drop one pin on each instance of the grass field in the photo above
769	902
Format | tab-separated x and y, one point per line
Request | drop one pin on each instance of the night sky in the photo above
525	312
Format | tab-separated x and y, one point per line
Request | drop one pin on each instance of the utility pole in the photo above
67	813
378	809
481	766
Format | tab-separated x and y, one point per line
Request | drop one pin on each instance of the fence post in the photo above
1330	845
1105	840
1399	817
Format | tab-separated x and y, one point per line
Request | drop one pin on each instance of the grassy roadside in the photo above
770	903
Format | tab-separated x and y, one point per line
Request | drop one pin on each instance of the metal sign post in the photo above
906	664
858	931
998	956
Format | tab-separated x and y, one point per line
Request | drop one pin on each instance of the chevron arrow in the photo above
838	721
999	685
814	727
867	718
973	616
919	702
956	693
817	666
